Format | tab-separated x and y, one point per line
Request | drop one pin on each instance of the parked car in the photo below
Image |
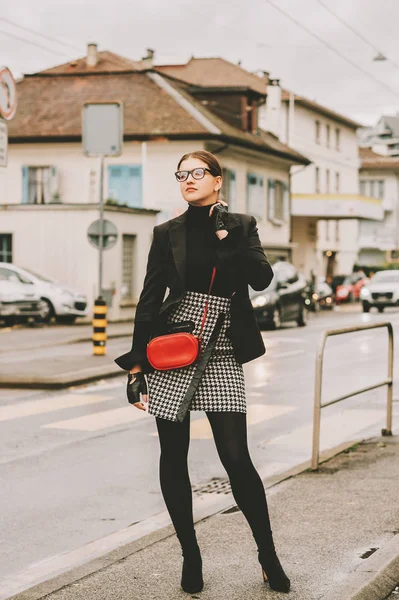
18	302
382	291
320	297
349	291
63	303
283	300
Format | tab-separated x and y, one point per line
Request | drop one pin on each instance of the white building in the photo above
326	205
50	191
379	176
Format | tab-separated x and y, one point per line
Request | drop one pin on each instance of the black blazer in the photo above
240	253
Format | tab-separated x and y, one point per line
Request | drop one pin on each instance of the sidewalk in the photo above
58	356
335	531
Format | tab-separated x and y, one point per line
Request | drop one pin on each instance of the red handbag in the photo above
177	350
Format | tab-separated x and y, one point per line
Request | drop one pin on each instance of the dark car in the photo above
283	300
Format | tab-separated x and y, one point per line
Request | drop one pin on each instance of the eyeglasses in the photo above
198	173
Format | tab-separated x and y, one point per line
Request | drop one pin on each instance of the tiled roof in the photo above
50	108
107	62
215	72
323	110
371	161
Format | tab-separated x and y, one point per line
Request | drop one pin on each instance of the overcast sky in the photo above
252	31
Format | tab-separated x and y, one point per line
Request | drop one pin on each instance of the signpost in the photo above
102	135
8	107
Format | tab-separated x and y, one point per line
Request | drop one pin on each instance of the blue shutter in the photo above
286	201
25	185
271	206
125	184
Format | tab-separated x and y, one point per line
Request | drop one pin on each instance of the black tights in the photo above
230	435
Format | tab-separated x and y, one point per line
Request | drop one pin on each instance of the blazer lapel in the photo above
178	239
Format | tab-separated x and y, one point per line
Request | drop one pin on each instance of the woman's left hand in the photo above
221	218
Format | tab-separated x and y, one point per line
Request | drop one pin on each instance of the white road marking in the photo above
100	420
48	405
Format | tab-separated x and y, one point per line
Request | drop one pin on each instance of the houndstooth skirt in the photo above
222	386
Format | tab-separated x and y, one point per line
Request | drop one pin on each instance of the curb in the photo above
381	572
58	382
47	578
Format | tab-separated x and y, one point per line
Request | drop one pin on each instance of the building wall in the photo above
299	131
52	240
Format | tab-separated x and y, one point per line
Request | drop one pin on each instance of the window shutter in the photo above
54	185
286	201
271	196
125	184
25	185
232	190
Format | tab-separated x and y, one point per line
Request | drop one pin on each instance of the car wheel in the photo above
66	319
366	307
303	316
9	321
47	312
276	319
380	309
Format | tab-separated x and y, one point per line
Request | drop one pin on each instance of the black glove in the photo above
219	216
136	384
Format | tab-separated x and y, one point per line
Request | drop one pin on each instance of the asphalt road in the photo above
80	464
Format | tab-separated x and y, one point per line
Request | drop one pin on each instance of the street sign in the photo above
110	234
3	143
102	129
8	94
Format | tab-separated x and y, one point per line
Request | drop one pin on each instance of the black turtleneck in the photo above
202	253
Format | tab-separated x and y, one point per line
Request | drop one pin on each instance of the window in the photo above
229	188
337	230
381	189
337	182
317	180
328	132
39	185
5	247
128	260
256	196
327	181
317	132
278	201
371	189
362	188
125	184
338	139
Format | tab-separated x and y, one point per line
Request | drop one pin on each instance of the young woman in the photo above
182	256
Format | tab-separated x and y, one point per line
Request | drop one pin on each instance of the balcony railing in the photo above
337	206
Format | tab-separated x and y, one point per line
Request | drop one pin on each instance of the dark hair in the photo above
208	158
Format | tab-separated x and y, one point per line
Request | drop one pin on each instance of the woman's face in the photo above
199	191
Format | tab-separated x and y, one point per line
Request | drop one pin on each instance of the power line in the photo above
318	38
357	33
46	37
21	39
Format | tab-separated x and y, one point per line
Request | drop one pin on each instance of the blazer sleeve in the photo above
148	306
248	256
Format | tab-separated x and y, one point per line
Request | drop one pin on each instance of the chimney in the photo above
148	60
92	56
271	112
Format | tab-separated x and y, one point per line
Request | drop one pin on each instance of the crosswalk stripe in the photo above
52	404
256	413
100	420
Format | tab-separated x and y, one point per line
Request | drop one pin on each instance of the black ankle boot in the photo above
273	572
191	578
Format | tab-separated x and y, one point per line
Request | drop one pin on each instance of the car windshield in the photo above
41	277
382	277
347	281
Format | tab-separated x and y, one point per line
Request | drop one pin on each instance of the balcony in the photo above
337	206
380	239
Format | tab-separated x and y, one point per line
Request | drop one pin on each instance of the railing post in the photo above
388	430
317	403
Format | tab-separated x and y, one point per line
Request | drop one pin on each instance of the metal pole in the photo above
388	430
101	239
317	403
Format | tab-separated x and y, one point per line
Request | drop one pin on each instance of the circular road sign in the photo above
110	234
8	94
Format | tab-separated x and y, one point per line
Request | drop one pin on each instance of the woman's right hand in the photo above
136	385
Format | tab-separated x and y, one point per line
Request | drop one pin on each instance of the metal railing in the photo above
318	384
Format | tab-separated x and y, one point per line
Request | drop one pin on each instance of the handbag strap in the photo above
206	305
